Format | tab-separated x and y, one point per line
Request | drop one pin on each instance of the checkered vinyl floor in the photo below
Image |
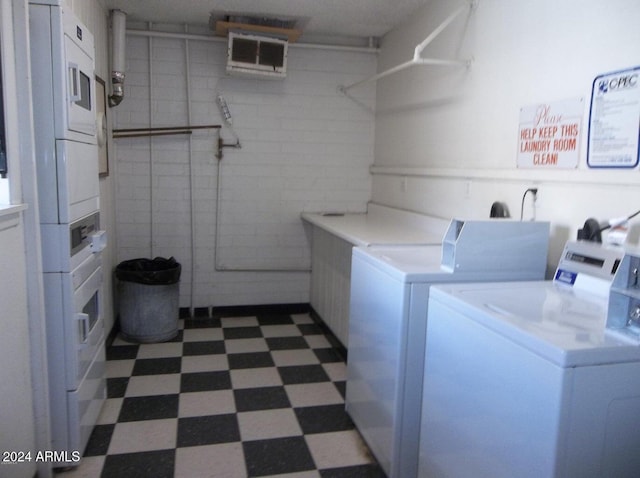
228	397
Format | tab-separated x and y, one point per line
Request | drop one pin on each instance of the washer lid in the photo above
561	324
405	263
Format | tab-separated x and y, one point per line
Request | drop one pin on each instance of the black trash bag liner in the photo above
158	271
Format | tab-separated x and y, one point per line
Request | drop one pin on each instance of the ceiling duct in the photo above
285	28
258	44
118	42
257	55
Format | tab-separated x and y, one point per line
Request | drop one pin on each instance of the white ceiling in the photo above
341	18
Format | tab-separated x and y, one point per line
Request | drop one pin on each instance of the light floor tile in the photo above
302	319
119	368
337	371
215	402
204	363
110	411
300	474
142	385
239	322
338	449
162	350
317	341
266	424
253	378
311	394
280	330
202	335
212	461
236	346
144	435
294	357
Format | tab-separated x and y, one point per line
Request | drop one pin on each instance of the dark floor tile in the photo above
157	463
210	347
274	319
263	398
205	381
327	355
310	329
200	312
241	332
358	471
206	430
203	323
342	388
122	352
151	407
303	374
277	456
286	343
323	419
99	440
117	387
250	360
157	366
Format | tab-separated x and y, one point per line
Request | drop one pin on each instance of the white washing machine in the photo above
387	322
524	380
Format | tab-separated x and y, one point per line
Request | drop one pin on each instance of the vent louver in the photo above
256	55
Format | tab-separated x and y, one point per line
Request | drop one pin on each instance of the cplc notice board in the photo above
614	120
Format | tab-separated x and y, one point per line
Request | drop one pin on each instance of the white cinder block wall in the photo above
305	147
446	138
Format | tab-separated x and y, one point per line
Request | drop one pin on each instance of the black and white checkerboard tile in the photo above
228	397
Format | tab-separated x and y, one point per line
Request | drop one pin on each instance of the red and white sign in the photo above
549	135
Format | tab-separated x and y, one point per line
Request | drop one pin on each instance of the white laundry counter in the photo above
333	237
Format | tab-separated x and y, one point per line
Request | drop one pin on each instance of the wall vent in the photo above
253	55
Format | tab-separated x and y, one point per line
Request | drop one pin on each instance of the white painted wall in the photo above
446	138
21	375
305	147
16	413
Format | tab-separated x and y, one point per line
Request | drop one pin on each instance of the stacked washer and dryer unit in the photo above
63	85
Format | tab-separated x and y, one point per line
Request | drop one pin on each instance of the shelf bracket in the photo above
417	54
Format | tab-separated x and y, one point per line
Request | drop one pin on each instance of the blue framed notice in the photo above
614	120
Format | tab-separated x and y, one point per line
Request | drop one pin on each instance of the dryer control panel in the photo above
588	266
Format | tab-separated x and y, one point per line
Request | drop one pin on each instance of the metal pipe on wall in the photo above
192	198
151	234
118	56
317	46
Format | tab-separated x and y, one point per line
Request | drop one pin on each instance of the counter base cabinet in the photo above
330	281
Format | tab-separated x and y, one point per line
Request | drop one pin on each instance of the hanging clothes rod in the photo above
417	60
160	131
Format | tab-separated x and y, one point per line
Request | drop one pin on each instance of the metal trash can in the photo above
148	293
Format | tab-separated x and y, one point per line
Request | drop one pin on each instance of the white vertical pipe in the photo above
151	232
118	52
119	26
191	179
